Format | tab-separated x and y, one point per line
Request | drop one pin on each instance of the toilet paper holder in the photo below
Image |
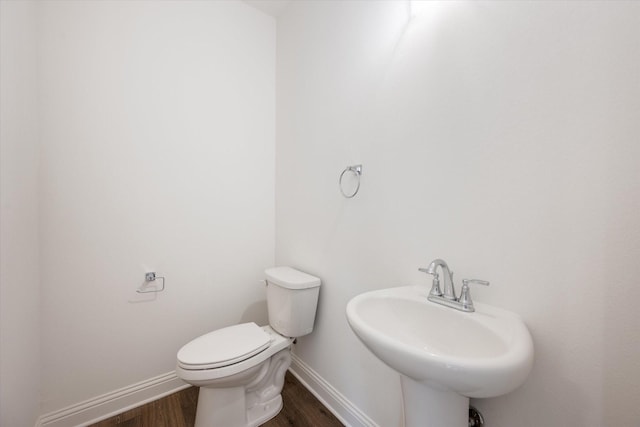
150	277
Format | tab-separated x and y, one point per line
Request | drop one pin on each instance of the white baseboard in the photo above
118	401
336	402
113	403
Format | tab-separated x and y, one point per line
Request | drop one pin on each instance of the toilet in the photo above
240	369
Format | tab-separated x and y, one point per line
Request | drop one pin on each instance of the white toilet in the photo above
240	369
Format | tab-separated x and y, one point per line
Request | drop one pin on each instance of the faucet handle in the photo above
426	270
435	286
465	294
466	282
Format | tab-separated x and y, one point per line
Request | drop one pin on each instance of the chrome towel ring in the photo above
357	172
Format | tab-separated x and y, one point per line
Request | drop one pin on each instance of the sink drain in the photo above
475	417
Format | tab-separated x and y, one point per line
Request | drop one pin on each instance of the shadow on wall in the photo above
549	405
257	313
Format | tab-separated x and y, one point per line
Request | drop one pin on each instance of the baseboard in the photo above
336	402
118	401
113	403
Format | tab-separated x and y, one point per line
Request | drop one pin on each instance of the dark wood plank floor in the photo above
301	409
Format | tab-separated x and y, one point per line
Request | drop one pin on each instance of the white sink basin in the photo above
482	354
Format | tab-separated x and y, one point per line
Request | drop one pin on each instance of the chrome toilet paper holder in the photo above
148	278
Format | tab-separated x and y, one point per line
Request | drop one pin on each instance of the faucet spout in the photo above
449	291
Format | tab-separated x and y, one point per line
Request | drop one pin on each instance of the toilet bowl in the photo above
240	369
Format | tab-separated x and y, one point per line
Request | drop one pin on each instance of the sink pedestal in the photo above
428	407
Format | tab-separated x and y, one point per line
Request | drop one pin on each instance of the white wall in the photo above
19	287
500	136
158	131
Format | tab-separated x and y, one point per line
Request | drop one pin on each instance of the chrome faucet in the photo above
448	297
449	290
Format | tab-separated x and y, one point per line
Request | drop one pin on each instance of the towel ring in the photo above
357	171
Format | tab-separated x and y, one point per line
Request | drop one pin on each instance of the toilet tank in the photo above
292	298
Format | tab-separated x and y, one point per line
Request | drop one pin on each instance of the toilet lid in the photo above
224	347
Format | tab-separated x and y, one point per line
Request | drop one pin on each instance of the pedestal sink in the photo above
444	356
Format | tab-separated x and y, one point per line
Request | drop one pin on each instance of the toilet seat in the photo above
224	347
196	375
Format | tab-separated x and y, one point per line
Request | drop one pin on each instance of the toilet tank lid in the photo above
291	278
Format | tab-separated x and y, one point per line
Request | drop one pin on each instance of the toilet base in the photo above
263	412
247	405
229	409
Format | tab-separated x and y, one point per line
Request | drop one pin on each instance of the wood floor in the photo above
301	409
